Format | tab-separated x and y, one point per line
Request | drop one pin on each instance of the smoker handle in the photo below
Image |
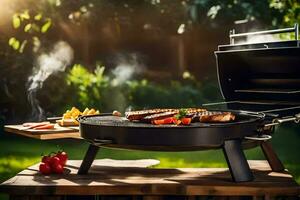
295	119
259	138
295	29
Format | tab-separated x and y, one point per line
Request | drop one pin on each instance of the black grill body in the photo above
119	132
266	75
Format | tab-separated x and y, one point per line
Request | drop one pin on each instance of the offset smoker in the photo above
260	78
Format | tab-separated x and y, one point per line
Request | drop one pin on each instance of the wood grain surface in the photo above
56	133
111	177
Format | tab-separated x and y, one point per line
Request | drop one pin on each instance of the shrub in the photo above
95	89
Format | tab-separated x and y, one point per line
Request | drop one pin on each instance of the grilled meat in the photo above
163	115
140	114
215	116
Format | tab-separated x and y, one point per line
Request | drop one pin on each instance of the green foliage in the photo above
88	86
31	26
95	89
46	26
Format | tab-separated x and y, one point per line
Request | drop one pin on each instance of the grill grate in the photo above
114	121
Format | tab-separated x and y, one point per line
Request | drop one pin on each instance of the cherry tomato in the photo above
58	169
63	157
169	120
158	121
45	168
46	159
54	161
186	121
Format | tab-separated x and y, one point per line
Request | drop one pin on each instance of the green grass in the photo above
17	153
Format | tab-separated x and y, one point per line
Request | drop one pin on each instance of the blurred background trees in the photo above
163	48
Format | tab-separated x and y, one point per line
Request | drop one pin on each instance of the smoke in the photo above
56	60
261	38
127	67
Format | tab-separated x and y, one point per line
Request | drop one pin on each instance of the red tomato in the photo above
186	121
54	161
45	168
63	157
169	120
58	169
158	121
46	159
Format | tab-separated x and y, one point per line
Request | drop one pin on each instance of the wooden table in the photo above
43	135
131	178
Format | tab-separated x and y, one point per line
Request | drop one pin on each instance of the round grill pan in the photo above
118	132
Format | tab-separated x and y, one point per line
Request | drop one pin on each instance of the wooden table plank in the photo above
108	177
43	135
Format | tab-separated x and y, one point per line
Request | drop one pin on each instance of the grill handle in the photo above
259	137
278	121
233	35
102	142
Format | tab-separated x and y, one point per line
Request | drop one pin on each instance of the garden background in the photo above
121	55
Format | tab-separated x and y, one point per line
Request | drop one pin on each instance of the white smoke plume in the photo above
261	39
127	66
59	57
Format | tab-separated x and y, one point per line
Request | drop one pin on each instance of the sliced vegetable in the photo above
35	124
47	126
186	121
169	120
158	122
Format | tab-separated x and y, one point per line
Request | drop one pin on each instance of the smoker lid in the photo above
257	40
260	72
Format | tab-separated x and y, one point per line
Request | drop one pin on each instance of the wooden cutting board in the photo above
57	133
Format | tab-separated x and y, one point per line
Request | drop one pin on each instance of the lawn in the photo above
18	152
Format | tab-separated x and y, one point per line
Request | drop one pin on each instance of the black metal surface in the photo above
88	159
270	74
236	160
125	134
275	164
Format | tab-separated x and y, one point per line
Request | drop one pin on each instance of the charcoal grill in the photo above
260	85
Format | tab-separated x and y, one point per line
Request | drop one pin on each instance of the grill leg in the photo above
272	158
88	159
237	162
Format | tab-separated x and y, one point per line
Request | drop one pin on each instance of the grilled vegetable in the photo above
169	120
186	121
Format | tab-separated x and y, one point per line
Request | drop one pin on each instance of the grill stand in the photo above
233	152
271	156
88	159
237	162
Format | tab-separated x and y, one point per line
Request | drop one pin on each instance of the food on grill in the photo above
169	120
70	116
140	114
178	116
163	115
186	121
216	116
